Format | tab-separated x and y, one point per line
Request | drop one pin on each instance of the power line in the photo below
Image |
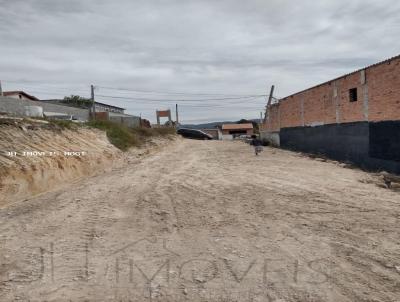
172	100
223	105
220	107
59	86
186	103
230	100
51	93
49	89
177	93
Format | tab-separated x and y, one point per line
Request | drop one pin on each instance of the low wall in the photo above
213	132
17	107
272	137
373	146
385	140
227	137
124	119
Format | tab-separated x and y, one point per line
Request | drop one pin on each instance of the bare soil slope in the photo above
207	221
40	162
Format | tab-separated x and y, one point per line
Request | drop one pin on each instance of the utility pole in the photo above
271	95
93	104
1	90
177	115
261	122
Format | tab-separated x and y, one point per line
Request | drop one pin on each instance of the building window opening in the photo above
353	95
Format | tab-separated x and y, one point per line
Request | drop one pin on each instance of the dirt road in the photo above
206	221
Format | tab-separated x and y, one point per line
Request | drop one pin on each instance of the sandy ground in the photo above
40	163
206	221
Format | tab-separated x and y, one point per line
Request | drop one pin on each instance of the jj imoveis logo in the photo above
158	269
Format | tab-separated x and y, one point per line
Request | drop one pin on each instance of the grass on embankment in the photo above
124	138
119	135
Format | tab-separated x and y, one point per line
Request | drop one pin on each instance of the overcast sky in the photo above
52	48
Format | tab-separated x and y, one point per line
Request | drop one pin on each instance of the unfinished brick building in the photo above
355	117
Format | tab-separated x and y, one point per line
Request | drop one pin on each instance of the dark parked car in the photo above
194	134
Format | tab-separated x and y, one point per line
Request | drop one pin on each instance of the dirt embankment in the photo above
37	157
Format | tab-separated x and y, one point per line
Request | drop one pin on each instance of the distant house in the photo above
99	107
21	103
102	107
20	95
103	111
237	129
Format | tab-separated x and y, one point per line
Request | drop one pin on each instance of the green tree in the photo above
255	124
78	101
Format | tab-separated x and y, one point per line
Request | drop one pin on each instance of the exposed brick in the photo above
328	103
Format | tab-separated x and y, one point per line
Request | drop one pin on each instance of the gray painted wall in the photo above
17	107
125	119
272	137
373	146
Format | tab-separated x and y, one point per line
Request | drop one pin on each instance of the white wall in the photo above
15	106
227	137
19	97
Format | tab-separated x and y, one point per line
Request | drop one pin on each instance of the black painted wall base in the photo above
372	146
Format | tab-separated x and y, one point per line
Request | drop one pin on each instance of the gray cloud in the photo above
55	47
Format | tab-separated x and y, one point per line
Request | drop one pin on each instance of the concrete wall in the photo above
373	146
226	137
124	119
384	140
272	137
17	107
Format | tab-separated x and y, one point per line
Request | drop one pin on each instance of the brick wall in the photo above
272	121
384	91
378	99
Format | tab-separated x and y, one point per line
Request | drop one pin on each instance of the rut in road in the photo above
206	221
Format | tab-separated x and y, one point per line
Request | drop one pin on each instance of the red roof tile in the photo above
237	126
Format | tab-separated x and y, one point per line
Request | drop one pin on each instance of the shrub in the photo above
63	124
119	135
145	132
123	137
164	131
